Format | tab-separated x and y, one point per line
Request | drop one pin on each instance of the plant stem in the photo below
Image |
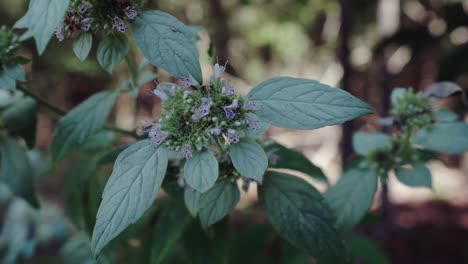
131	69
60	111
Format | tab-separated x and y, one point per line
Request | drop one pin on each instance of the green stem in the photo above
132	70
61	112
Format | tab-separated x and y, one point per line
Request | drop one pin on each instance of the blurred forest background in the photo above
366	47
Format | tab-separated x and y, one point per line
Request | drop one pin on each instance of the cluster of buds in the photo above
197	117
96	15
9	44
413	110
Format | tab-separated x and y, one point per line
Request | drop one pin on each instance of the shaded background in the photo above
365	47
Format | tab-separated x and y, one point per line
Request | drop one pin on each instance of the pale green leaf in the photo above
451	138
167	43
217	202
42	18
300	214
352	196
416	176
201	171
6	82
445	115
16	171
15	72
364	143
75	128
112	50
132	188
192	201
82	45
249	159
304	104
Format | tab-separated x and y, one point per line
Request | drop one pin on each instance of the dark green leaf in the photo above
449	138
352	196
304	104
217	202
15	170
249	159
285	158
416	176
367	250
364	143
167	43
192	201
249	243
132	188
300	214
21	119
75	128
112	50
82	45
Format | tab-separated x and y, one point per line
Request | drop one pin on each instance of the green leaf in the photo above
21	119
75	128
367	250
15	72
167	43
168	230
417	176
217	202
42	18
201	171
132	188
364	143
112	50
6	82
352	196
16	171
192	201
449	138
249	159
300	214
445	115
285	158
304	104
397	94
82	45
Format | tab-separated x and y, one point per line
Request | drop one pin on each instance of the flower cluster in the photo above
413	110
9	44
197	117
96	15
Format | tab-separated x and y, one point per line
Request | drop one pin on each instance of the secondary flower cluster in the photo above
197	117
9	44
96	15
413	110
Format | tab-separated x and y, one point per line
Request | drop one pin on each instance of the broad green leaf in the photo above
364	143
304	104
262	127
6	82
451	138
249	159
15	72
16	171
82	45
367	250
352	196
168	230
112	50
132	188
42	18
147	77
167	43
284	158
299	213
416	176
201	171
192	201
445	115
21	119
217	202
75	128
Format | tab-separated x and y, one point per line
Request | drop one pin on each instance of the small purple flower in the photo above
202	110
187	151
251	106
87	23
156	135
229	110
232	136
131	12
120	24
215	131
228	90
189	81
218	70
253	122
59	33
84	7
162	95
